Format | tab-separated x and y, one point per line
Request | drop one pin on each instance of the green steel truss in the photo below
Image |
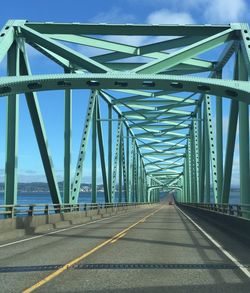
160	99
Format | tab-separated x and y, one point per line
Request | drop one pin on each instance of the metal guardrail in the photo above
11	211
242	211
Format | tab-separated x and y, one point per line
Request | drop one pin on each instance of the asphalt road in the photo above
145	250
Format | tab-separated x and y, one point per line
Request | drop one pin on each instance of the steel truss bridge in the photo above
160	93
165	103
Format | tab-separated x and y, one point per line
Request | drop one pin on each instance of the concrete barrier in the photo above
217	223
18	227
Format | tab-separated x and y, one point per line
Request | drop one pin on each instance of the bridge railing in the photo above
11	211
242	211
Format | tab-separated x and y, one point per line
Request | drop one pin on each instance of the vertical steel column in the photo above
202	157
219	143
67	143
110	141
232	126
185	181
135	172
194	167
243	139
200	148
124	171
94	153
190	171
142	181
197	159
120	167
128	165
42	141
234	109
207	157
102	153
187	175
10	193
212	147
138	176
132	169
116	158
83	146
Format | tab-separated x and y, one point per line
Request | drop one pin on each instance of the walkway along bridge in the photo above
163	102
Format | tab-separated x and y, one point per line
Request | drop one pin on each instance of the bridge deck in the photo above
163	251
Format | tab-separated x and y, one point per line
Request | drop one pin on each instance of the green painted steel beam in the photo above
160	152
83	146
60	49
67	145
6	39
238	90
245	31
186	53
127	29
102	152
212	147
147	50
66	64
232	126
116	160
179	69
195	62
10	192
244	137
219	144
158	124
38	125
160	100
196	158
96	43
94	153
150	154
110	140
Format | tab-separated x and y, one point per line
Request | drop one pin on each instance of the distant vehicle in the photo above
170	202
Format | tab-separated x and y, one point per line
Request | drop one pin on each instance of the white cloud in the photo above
132	40
114	15
166	16
222	11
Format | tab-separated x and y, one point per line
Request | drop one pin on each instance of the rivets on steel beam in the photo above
5	89
121	83
34	85
148	83
204	88
64	83
176	85
93	83
231	93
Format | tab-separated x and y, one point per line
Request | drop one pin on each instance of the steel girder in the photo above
165	131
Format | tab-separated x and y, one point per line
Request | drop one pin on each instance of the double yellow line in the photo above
83	256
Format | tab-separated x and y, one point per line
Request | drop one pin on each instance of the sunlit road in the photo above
154	249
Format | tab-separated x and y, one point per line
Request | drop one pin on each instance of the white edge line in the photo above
58	231
225	252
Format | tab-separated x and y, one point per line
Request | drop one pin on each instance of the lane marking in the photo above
116	239
84	255
60	230
217	244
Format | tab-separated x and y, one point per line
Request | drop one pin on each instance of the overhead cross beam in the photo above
158	128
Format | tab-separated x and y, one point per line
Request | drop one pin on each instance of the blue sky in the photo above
109	11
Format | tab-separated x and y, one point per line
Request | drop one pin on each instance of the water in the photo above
26	198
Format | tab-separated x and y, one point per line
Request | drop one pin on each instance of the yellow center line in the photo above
83	256
116	239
